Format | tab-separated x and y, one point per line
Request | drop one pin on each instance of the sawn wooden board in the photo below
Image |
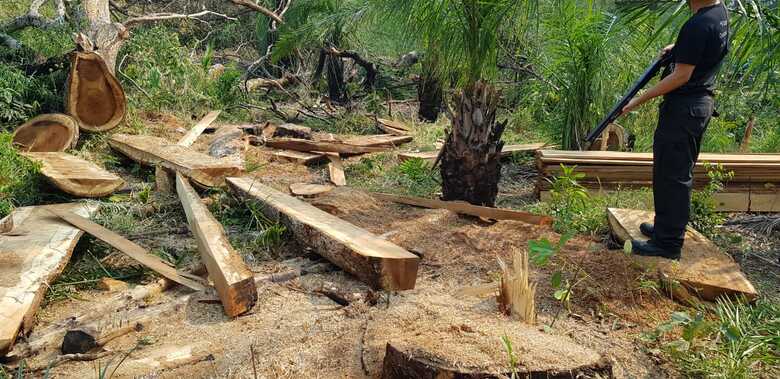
76	176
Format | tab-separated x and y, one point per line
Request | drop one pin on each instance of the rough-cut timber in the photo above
336	170
47	132
379	140
307	190
392	127
76	176
198	128
94	97
507	151
32	257
321	146
463	207
151	151
232	279
301	157
704	270
378	262
289	130
130	249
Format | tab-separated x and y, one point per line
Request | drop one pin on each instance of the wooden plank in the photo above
31	257
198	129
232	279
376	261
76	176
380	140
635	173
507	151
392	127
130	249
617	155
298	157
320	146
587	162
462	207
724	201
336	171
307	189
703	268
152	151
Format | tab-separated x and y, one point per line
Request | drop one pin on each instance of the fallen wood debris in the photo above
375	261
232	279
516	295
130	249
76	176
112	285
94	97
47	133
164	178
392	127
152	151
703	270
33	257
755	186
321	146
287	130
506	152
462	207
228	142
308	190
379	140
336	170
300	157
198	129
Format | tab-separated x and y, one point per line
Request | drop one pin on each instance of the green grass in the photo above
382	173
19	178
249	230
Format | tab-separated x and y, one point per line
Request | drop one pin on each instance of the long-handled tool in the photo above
654	68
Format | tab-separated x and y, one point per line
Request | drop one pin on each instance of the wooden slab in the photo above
130	249
31	258
380	140
76	176
392	127
468	209
376	261
298	156
307	189
320	146
198	129
152	151
234	282
336	171
552	155
507	151
703	269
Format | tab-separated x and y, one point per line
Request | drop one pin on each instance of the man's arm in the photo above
681	75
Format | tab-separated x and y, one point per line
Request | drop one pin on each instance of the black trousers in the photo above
682	121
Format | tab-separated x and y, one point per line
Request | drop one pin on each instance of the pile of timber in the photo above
755	186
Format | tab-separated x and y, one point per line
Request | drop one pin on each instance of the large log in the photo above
232	279
704	270
94	97
32	257
152	151
76	176
47	133
378	262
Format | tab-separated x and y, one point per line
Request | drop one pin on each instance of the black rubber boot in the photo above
650	249
647	228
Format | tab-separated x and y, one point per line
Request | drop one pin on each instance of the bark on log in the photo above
47	133
94	97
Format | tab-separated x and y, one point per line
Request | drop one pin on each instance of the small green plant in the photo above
513	363
704	215
540	252
569	200
225	91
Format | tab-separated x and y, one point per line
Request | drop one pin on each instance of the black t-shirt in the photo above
703	42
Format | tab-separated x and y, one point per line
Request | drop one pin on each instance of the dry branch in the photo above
371	71
154	17
258	8
34	19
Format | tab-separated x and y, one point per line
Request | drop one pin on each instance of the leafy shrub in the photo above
225	91
704	215
569	201
14	89
19	178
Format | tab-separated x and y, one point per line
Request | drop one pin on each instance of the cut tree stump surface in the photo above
507	151
151	151
378	262
76	176
47	132
30	259
307	189
703	269
94	97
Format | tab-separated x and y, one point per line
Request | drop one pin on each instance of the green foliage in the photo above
570	201
19	179
704	215
23	96
225	90
249	230
540	251
511	357
378	173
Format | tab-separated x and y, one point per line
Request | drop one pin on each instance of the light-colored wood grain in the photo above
321	146
380	140
76	176
376	261
198	129
94	97
336	171
152	151
130	249
392	127
550	155
507	151
232	279
308	189
703	269
298	157
46	133
30	260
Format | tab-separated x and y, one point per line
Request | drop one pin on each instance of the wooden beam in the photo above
380	140
336	170
76	176
462	207
392	127
507	151
320	146
703	269
152	151
298	157
33	255
378	262
198	129
552	155
232	279
130	249
308	190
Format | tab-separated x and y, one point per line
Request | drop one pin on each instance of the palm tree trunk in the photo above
470	163
334	71
430	94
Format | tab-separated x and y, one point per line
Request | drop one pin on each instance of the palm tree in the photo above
465	34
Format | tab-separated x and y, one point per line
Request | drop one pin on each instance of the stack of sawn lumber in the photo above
755	186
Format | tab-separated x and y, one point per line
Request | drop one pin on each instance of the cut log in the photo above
76	176
152	151
94	97
32	258
462	207
227	142
47	133
232	279
308	190
300	157
130	249
507	151
392	127
292	131
703	269
377	262
336	170
320	146
198	129
380	140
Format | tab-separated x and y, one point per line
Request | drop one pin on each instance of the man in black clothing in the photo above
688	88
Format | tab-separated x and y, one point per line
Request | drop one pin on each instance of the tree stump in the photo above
94	96
47	133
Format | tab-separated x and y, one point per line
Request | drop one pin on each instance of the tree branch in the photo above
33	17
154	17
371	72
258	8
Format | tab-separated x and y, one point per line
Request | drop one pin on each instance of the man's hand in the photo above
665	50
631	106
